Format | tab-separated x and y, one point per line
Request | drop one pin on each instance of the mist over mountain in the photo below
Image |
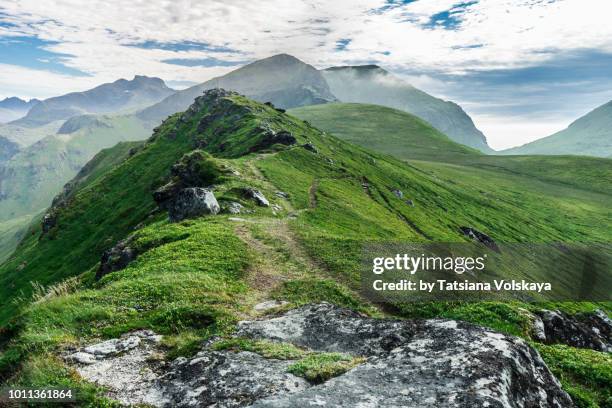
590	135
281	79
372	84
8	148
14	108
120	95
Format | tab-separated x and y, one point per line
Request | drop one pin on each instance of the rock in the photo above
410	203
281	194
81	358
228	379
164	195
586	330
192	202
113	346
269	304
116	258
129	369
234	208
538	332
49	221
431	363
479	237
257	196
271	138
398	193
408	363
310	147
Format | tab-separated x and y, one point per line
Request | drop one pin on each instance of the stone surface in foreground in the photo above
430	363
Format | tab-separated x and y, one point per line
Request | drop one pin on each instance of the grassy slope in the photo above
12	231
405	135
407	138
589	135
32	177
224	267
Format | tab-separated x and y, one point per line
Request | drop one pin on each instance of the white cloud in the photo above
491	34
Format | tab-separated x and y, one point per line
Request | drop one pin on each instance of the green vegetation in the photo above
589	135
585	374
385	130
196	279
408	138
320	367
40	170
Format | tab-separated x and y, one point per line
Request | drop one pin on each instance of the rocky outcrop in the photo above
128	367
192	202
427	363
116	258
585	330
481	237
257	196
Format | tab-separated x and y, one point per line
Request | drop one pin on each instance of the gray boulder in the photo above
585	330
408	363
433	363
257	196
192	202
478	236
234	208
398	193
116	258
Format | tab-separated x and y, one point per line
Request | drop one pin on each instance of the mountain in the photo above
372	84
409	138
590	135
281	79
8	149
14	108
385	130
111	256
32	176
111	97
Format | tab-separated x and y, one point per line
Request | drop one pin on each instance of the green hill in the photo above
406	137
195	279
590	135
383	129
372	84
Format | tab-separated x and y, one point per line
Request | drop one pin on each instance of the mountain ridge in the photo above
105	98
375	85
589	135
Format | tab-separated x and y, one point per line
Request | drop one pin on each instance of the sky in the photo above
522	69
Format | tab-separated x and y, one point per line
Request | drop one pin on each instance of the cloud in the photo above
443	42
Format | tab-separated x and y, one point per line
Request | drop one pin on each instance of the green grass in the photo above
585	374
318	368
383	129
190	280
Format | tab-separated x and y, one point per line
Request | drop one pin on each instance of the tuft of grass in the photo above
585	374
315	290
267	349
318	368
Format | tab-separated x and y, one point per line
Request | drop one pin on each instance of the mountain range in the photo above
372	84
234	205
590	135
14	108
43	150
112	97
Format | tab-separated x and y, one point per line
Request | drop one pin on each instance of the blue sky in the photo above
521	68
